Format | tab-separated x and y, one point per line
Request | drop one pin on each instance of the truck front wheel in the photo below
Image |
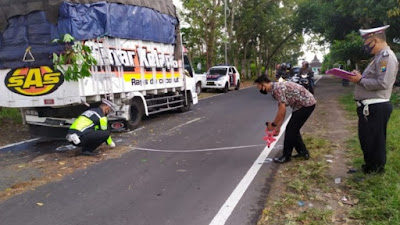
186	105
137	112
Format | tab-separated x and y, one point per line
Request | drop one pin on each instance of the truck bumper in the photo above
48	132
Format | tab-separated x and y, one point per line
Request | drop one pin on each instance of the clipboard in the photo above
340	73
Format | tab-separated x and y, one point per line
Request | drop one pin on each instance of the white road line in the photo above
227	208
133	131
19	143
198	150
188	122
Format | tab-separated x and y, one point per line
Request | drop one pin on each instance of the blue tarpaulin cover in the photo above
82	21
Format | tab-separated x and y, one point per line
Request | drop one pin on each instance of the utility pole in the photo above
226	35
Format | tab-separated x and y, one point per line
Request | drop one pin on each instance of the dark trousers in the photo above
372	135
293	137
91	140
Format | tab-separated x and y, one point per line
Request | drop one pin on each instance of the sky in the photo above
306	48
311	49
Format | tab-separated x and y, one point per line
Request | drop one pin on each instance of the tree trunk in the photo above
244	62
278	46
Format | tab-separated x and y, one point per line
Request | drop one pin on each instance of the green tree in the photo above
337	20
204	32
348	51
259	33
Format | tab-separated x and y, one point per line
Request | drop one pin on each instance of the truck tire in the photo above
137	112
198	88
186	107
238	85
226	88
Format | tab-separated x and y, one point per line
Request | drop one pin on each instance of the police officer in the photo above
91	129
372	94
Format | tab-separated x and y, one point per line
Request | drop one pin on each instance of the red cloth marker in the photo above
269	138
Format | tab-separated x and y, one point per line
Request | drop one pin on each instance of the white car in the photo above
224	78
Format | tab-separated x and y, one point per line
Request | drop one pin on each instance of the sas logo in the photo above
33	81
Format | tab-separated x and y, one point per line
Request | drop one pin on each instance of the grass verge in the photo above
10	114
304	184
379	195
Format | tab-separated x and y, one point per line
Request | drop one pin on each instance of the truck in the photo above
139	54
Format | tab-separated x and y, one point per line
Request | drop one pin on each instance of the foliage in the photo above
348	50
336	19
77	58
327	62
204	34
395	12
259	32
339	22
10	114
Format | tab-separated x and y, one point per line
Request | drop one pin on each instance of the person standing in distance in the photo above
91	129
303	104
372	94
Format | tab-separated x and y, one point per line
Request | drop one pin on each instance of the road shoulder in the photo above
308	191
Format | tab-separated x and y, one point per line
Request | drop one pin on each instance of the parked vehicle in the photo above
141	72
305	80
223	78
201	82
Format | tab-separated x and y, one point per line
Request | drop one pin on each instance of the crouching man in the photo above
91	129
303	104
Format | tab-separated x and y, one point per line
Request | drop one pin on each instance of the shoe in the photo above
89	153
306	156
282	159
352	171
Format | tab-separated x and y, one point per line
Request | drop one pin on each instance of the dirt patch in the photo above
296	197
53	167
210	93
12	132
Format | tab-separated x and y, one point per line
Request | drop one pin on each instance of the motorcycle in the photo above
304	80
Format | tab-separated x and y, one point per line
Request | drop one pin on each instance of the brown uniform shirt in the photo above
378	77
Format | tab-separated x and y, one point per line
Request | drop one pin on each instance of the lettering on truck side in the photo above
133	59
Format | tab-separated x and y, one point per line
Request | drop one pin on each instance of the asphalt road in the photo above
173	184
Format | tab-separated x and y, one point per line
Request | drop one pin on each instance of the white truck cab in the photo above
224	78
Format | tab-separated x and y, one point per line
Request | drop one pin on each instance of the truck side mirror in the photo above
199	67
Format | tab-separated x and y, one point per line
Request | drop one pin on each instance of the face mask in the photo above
264	92
368	49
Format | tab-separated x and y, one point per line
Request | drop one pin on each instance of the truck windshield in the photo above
218	71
